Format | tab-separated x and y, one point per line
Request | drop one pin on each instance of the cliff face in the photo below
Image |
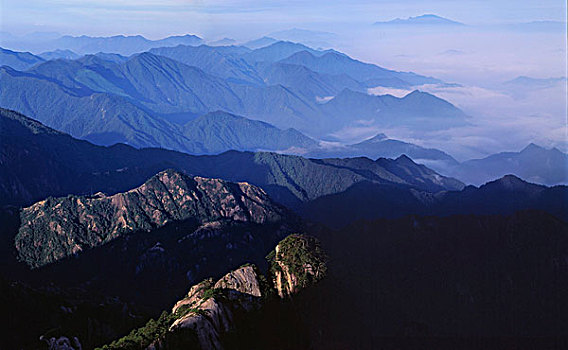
212	308
296	262
212	311
55	228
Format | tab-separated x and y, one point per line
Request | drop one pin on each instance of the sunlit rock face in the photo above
58	227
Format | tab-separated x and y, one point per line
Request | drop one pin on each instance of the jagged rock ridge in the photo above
58	227
210	311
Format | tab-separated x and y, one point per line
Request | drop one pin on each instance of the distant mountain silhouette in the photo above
311	38
367	201
279	51
124	45
59	54
382	146
260	42
423	20
223	42
533	163
419	110
528	82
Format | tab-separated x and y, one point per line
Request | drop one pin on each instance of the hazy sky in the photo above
240	18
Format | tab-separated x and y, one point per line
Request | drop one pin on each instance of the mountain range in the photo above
99	98
504	196
167	194
53	163
132	100
106	265
381	145
533	163
121	44
145	243
38	162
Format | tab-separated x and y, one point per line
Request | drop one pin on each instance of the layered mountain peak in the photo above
58	227
377	138
404	159
423	20
513	183
533	163
531	147
421	95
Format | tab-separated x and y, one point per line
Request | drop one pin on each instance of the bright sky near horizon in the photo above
249	18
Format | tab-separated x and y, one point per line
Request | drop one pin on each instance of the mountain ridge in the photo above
534	163
64	165
65	226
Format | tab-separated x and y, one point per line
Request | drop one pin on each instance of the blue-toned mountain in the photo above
533	163
371	75
18	60
38	162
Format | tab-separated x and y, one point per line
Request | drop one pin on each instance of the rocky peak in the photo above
513	183
296	262
244	280
404	159
211	310
58	227
195	294
377	138
533	148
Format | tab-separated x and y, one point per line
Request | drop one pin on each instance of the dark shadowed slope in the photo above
465	282
369	201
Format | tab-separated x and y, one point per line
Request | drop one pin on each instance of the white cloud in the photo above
501	120
324	99
381	90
